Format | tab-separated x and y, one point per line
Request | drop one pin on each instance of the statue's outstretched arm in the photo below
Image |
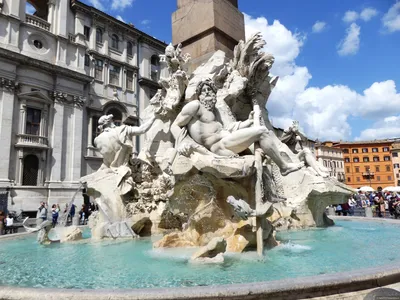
187	113
137	130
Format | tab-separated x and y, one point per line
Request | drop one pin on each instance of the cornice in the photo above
68	99
53	69
116	25
110	59
148	82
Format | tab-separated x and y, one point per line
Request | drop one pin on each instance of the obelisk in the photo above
205	26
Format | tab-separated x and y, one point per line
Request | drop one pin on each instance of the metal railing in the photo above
30	139
36	21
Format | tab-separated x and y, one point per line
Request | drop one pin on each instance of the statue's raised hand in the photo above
251	117
185	149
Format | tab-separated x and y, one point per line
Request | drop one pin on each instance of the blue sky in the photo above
338	61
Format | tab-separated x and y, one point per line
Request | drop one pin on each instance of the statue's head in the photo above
207	93
106	121
170	51
295	125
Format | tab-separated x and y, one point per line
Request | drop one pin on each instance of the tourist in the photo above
357	198
55	209
2	218
9	224
352	204
345	208
382	207
41	215
338	210
82	215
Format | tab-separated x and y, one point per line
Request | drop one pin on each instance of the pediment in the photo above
37	96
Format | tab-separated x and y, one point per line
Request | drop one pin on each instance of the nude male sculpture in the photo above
200	119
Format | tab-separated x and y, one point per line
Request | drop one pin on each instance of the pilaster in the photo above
7	98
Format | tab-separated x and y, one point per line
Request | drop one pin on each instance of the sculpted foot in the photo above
292	167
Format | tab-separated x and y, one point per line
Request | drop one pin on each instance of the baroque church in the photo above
62	67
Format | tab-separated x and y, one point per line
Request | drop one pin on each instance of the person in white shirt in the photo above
9	224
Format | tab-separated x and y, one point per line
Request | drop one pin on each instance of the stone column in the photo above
57	142
125	51
43	123
16	8
7	96
22	116
20	167
77	143
105	40
50	18
92	43
62	19
90	133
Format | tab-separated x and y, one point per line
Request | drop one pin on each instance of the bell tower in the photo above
205	26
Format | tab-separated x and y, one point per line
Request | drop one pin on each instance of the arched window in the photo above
37	8
99	35
130	49
117	115
30	170
114	41
155	68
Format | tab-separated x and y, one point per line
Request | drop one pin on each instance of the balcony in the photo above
38	22
368	173
29	140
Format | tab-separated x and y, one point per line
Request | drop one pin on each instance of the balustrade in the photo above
29	139
36	21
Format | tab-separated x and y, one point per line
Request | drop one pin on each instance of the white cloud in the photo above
281	42
350	16
145	22
391	20
318	27
351	43
97	4
323	112
387	128
368	13
120	18
121	4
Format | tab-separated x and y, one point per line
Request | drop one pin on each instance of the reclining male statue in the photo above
199	117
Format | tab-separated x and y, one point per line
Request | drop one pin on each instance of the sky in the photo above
338	61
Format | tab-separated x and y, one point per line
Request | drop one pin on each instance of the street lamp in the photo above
369	176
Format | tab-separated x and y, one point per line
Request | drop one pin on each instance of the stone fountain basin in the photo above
356	284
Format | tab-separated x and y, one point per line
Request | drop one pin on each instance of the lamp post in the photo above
369	176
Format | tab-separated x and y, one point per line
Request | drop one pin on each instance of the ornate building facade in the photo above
395	152
62	67
368	163
331	158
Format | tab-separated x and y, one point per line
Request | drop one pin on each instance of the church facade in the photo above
62	67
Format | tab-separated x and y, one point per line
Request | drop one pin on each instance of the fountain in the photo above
217	184
208	137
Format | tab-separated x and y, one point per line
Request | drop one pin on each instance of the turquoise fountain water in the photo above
134	264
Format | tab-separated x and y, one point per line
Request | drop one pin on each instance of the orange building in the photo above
368	163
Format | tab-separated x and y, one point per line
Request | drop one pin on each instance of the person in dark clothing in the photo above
345	208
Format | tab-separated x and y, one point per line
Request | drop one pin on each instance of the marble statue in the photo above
294	139
202	124
243	209
115	143
173	87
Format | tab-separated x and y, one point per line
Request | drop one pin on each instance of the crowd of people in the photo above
7	222
382	204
